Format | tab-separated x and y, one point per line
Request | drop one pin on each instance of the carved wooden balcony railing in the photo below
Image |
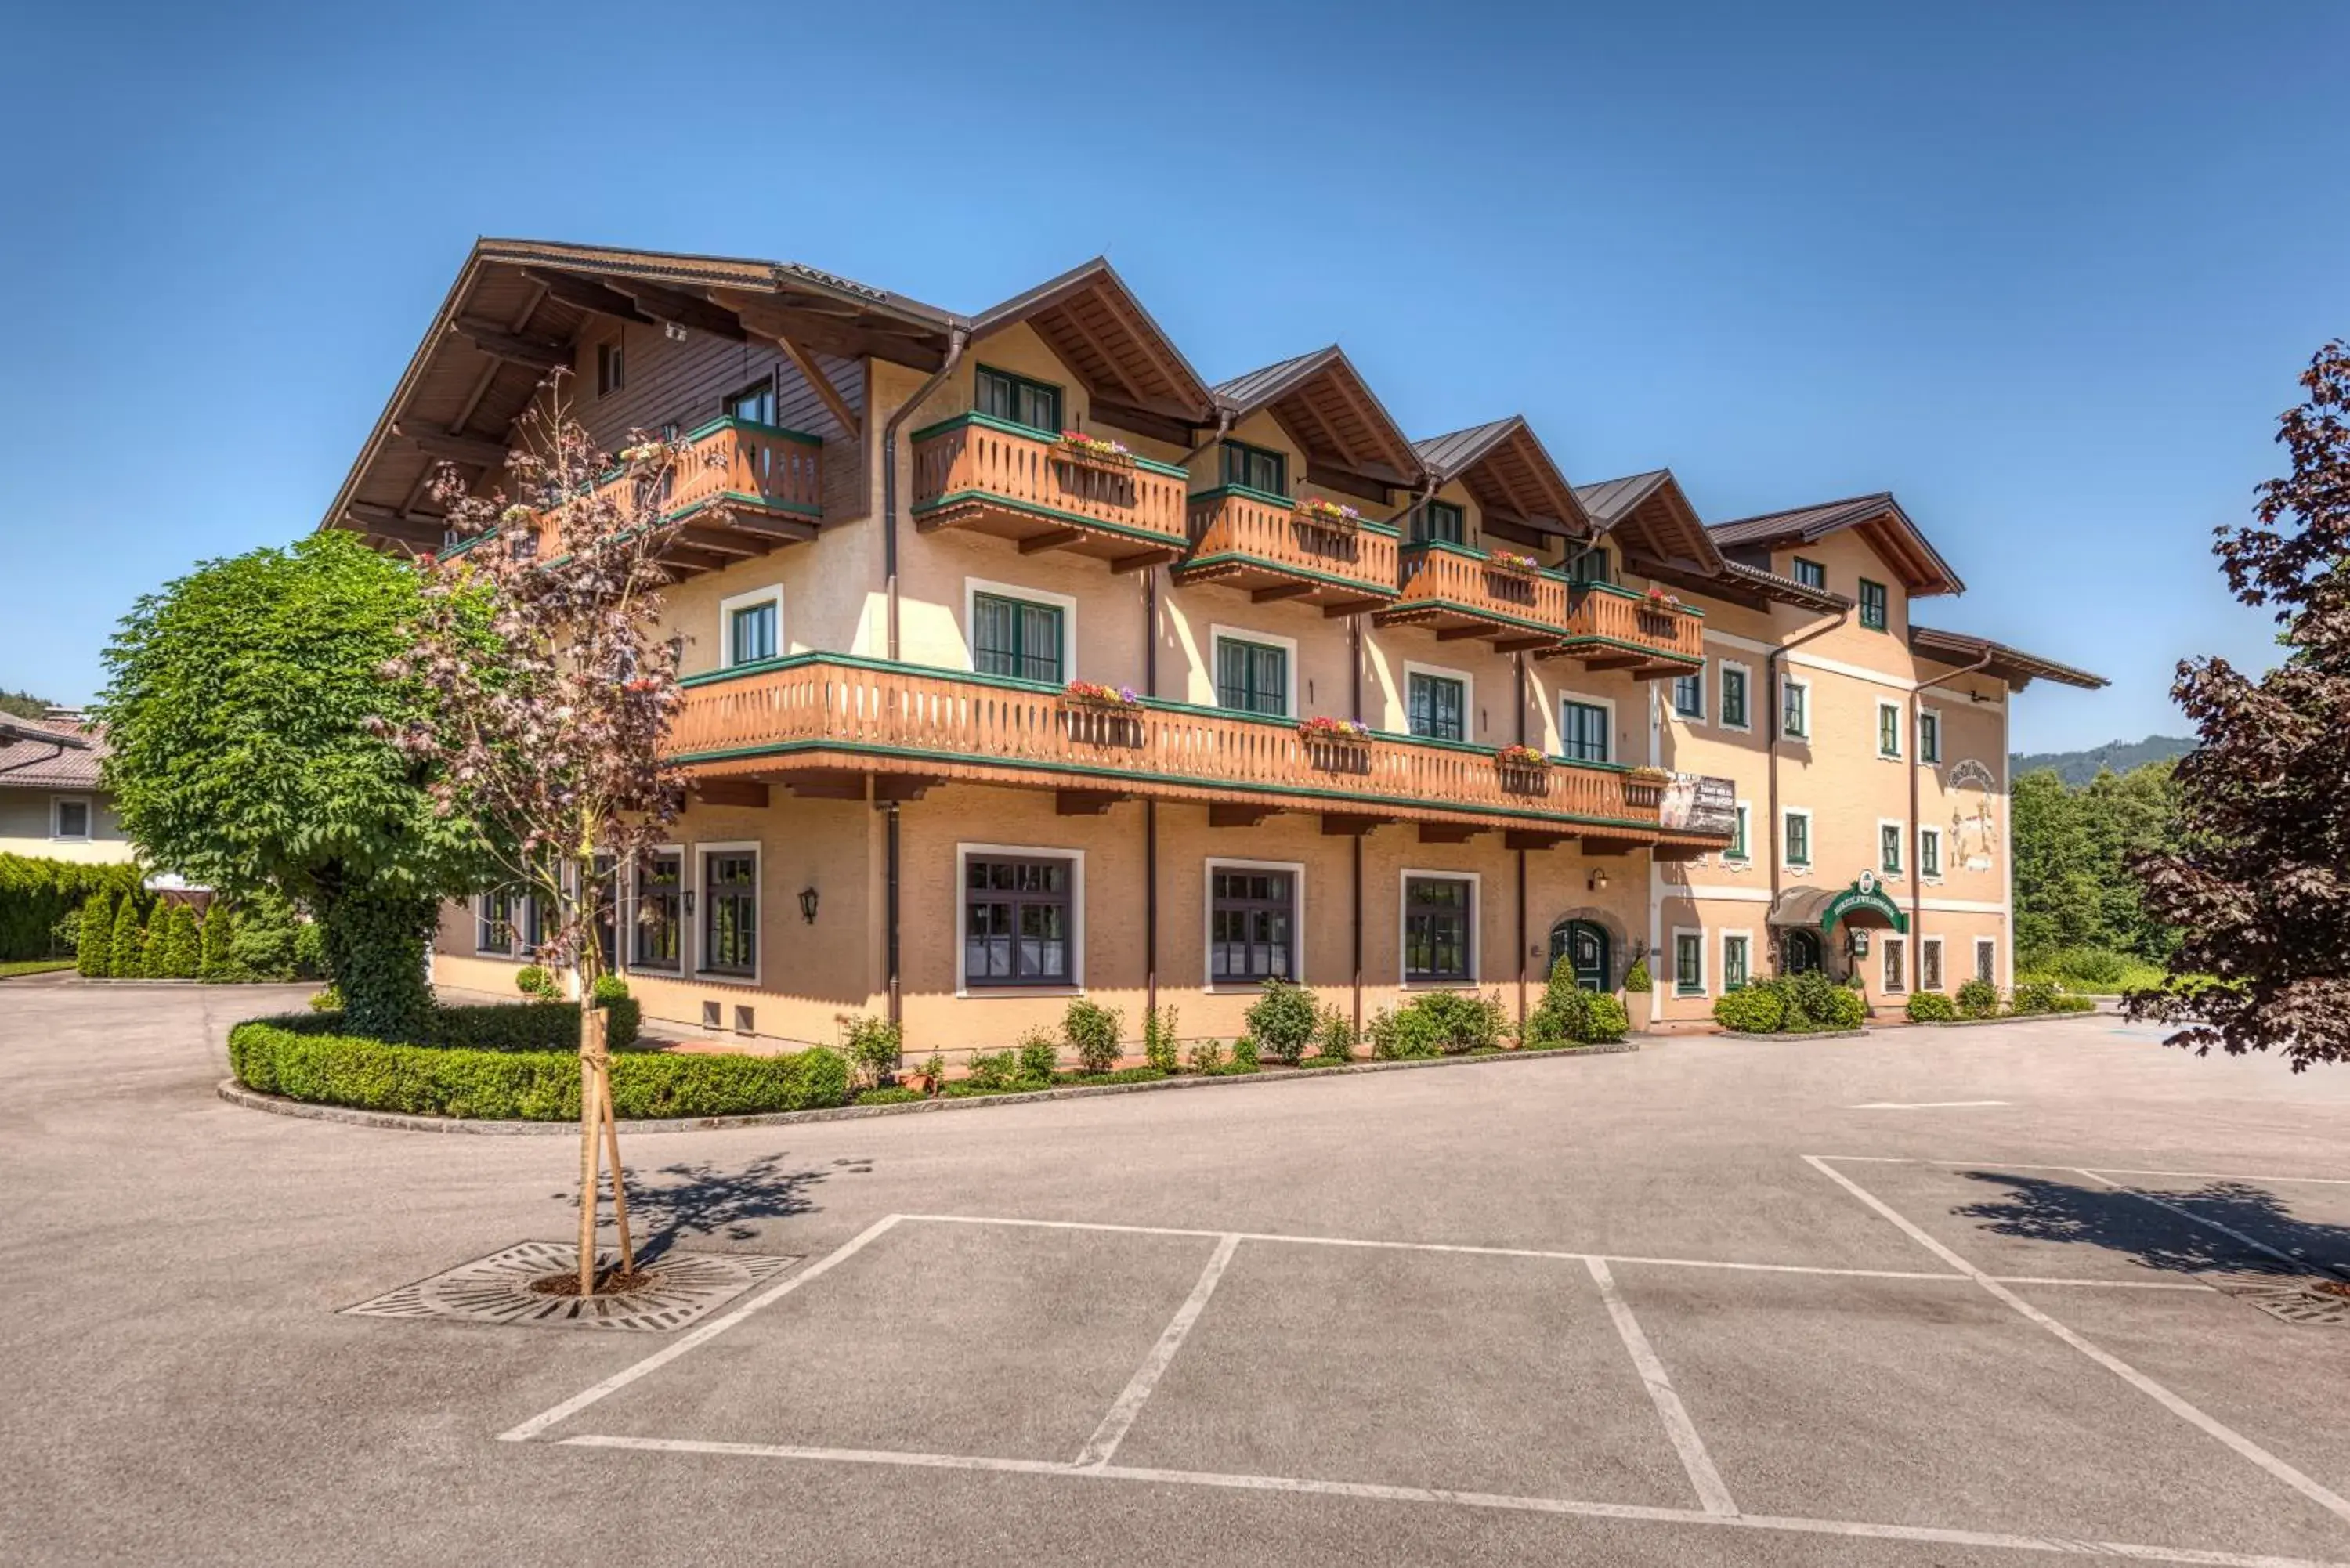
1459	592
825	717
995	477
1608	627
1273	548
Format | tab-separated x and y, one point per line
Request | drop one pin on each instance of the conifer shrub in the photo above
94	942
126	948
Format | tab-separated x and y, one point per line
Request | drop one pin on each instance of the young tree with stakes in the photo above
550	736
2260	881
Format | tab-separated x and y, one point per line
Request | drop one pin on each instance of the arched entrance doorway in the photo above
1801	950
1584	943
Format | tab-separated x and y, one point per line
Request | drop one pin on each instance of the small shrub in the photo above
537	985
2074	1003
1978	999
1160	1048
2034	996
1813	1003
1463	1022
1039	1053
1570	1016
609	989
125	953
1092	1032
94	941
875	1048
1756	1010
309	949
993	1070
330	1000
889	1096
1848	1011
1207	1056
1283	1021
65	935
154	943
1608	1021
261	944
1403	1034
1931	1007
214	962
934	1071
1635	979
1334	1037
1244	1056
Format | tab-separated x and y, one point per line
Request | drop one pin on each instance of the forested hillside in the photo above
2120	756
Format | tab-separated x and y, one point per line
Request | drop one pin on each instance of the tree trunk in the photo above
375	955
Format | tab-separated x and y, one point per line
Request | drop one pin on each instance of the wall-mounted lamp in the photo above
689	900
1597	882
807	905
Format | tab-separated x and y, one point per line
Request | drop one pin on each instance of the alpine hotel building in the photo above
1577	719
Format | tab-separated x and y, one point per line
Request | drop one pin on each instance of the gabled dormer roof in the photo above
1881	520
1504	466
1094	325
1663	537
1332	414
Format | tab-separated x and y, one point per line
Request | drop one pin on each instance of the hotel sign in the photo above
1696	804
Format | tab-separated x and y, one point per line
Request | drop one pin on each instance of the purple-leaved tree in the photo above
549	731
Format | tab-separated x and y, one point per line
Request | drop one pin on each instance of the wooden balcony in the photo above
1459	593
823	719
991	476
745	490
1268	547
1608	627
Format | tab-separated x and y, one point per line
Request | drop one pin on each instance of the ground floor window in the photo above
1252	925
730	911
1019	917
1737	961
507	925
1987	959
69	818
1689	963
659	940
1929	962
1897	957
1438	927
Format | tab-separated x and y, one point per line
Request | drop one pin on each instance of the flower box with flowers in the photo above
1522	770
1093	451
1091	694
1337	745
1520	757
1331	516
1511	564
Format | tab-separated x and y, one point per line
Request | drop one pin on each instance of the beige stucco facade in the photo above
40	822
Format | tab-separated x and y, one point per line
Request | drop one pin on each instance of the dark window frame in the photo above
1424	529
1252	908
1734	676
1889	849
612	366
1016	901
1247	696
761	392
1876	606
1426	927
731	896
1737	976
1019	661
1894	956
1812	574
1572	745
1929	852
1426	718
771	610
1688	977
1930	736
1689	696
667	894
1015	384
1238	464
1788	824
1579	570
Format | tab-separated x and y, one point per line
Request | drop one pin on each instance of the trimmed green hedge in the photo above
34	892
293	1057
524	1026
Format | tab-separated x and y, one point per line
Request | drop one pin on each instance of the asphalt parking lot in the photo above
1971	1296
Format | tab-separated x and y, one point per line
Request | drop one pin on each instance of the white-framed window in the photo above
1929	962
1436	933
1255	923
657	926
1742	824
1689	696
1889	835
1020	920
1254	671
1018	631
1586	728
1888	730
1897	963
71	818
1929	854
1737	960
1794	708
751	627
506	925
1796	837
1689	962
727	919
1987	959
1929	735
1440	703
1735	695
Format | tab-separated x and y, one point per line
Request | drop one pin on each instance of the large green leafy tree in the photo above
2074	847
245	712
2260	884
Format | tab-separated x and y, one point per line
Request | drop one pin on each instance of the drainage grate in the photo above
497	1289
2290	1298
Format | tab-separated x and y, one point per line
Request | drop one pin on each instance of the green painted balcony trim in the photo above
1661	655
1049	438
1271	498
1480	612
1288	570
1622	592
733	421
1075	519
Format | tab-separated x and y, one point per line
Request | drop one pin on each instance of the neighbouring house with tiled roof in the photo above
51	801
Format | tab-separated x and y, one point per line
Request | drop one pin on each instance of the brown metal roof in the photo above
1092	321
1331	412
1650	517
1881	522
2013	665
1509	470
50	753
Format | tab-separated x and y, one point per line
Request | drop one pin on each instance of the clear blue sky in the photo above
2047	272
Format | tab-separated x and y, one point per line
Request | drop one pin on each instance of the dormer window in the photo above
1872	605
1591	566
1812	574
1005	396
755	403
1254	468
1441	521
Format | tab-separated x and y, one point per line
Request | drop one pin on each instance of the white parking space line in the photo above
1712	1495
1113	1428
2102	1284
2317	1491
699	1336
1990	1539
2092	1169
2208	1224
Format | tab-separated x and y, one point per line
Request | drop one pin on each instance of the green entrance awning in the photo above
1864	904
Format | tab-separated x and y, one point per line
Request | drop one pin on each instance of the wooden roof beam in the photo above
805	364
500	344
688	310
1068	317
586	294
428	437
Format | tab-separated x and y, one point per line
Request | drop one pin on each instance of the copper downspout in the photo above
1916	834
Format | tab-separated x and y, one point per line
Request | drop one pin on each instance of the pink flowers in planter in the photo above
1096	448
1331	514
1094	694
1520	757
1327	729
1511	562
1660	600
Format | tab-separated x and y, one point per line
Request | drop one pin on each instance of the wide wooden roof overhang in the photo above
1517	486
515	314
1138	380
1350	440
1665	540
1878	519
2013	665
